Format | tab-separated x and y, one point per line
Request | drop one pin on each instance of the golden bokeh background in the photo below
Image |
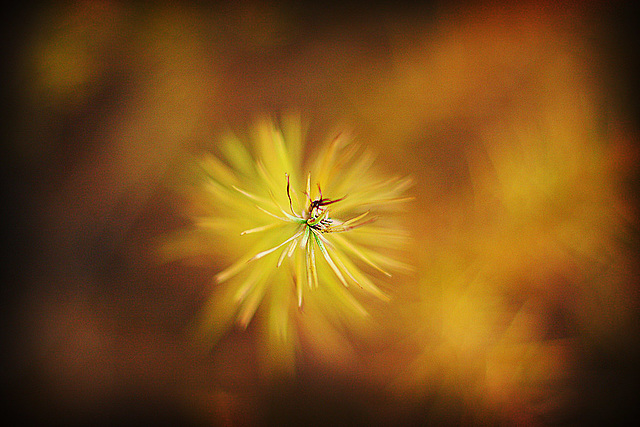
515	121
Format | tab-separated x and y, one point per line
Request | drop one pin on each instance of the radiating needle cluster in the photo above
268	208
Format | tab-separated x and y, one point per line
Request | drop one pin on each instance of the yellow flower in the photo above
291	229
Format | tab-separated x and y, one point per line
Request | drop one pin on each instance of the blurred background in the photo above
518	123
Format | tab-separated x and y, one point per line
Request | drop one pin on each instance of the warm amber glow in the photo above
513	121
